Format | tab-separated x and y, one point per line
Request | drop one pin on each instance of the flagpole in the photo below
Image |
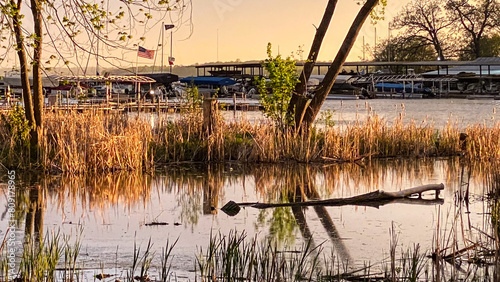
136	71
170	59
137	61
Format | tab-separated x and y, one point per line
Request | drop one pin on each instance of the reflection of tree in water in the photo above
278	184
297	183
198	189
30	202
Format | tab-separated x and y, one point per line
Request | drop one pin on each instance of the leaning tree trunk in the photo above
316	45
327	83
301	87
37	73
21	53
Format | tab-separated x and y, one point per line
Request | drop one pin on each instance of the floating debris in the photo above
155	223
231	208
102	276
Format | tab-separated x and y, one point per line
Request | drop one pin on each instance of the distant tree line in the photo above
443	30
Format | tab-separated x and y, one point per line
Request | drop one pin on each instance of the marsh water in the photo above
115	211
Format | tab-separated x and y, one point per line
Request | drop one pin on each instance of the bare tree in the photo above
306	110
311	109
427	20
299	100
479	19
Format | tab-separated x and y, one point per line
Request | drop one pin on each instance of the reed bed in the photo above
96	142
100	142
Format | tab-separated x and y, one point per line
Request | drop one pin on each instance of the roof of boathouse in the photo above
484	61
480	66
106	78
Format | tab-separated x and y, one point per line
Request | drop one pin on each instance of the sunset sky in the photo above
245	27
229	30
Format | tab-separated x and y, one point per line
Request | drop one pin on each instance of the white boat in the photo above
342	97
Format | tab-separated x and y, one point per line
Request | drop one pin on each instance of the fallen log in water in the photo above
373	199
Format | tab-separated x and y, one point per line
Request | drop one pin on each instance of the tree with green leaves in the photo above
489	47
403	49
478	19
70	33
282	81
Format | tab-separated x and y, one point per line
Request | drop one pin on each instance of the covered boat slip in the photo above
134	100
251	69
443	78
132	82
211	85
208	80
74	92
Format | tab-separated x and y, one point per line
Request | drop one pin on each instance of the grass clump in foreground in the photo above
234	257
100	142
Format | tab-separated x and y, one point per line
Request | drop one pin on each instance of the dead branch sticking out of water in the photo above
372	199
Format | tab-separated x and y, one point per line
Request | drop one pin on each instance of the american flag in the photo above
145	53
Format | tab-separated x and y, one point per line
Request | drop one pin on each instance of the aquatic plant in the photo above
232	257
39	259
94	141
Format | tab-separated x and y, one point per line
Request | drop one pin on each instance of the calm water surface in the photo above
461	112
113	210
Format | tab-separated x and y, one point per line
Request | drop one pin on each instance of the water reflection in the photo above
114	209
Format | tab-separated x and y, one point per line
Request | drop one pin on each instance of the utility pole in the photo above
171	62
389	42
363	47
162	43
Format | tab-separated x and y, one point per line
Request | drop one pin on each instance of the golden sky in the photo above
229	30
244	28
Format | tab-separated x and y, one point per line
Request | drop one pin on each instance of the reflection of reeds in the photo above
101	191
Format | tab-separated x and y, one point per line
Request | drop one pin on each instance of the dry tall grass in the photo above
96	141
91	141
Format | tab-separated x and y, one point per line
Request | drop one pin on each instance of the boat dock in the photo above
162	106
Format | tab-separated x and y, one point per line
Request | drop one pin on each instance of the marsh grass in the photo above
233	257
166	260
98	142
39	259
71	253
141	262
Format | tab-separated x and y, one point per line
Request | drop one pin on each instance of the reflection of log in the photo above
365	199
373	199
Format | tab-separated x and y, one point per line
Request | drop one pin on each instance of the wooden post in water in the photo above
138	97
209	114
234	105
158	97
